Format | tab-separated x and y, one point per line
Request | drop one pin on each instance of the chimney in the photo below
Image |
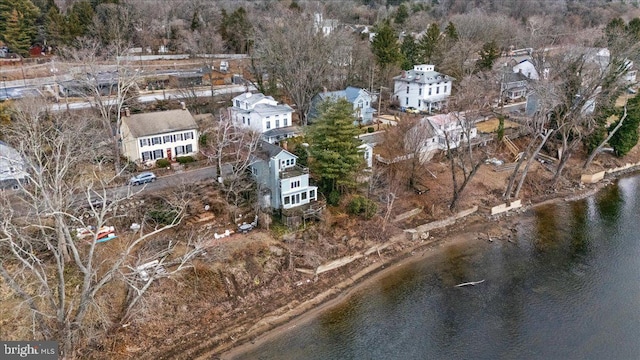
249	95
127	112
183	105
283	144
325	89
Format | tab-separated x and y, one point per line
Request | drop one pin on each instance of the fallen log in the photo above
473	283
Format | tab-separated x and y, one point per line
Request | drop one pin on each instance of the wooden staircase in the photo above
513	149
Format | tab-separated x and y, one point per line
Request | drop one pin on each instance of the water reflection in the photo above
565	288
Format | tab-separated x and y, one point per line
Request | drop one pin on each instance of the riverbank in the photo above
465	232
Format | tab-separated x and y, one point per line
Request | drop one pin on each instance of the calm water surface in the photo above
568	287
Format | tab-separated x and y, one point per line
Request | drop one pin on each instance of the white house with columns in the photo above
264	115
422	88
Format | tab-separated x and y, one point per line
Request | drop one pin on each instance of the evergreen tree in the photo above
385	46
82	14
410	54
56	29
429	44
627	135
18	24
236	31
195	21
633	28
402	14
451	33
334	154
16	39
488	56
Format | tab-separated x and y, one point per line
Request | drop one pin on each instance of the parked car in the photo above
142	178
412	110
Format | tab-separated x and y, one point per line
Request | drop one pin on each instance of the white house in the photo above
526	68
264	115
283	184
361	99
422	88
12	167
159	135
326	26
452	127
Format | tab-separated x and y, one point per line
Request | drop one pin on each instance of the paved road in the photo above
168	94
165	182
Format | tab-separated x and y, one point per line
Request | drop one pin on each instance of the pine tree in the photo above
410	54
334	154
488	56
402	14
429	44
14	36
627	135
385	46
18	24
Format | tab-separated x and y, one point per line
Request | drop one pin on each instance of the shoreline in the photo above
272	325
362	279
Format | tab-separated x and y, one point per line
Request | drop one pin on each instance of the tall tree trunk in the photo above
530	162
605	141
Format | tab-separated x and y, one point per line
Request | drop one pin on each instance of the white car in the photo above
142	178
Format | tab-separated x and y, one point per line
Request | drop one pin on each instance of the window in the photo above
312	194
287	200
156	140
429	90
179	150
144	142
407	89
277	123
445	89
304	196
237	103
249	121
189	149
419	103
295	184
285	122
146	155
188	135
437	89
243	120
166	139
406	101
180	137
268	124
158	154
419	91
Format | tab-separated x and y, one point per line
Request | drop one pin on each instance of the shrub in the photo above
362	206
370	129
334	198
163	163
202	140
185	159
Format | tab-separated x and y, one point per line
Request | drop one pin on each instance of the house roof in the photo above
443	119
423	77
268	150
267	110
511	77
350	93
11	163
282	131
159	122
251	99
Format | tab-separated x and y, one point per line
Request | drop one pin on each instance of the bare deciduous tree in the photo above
298	56
49	231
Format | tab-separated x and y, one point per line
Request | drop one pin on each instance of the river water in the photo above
566	287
